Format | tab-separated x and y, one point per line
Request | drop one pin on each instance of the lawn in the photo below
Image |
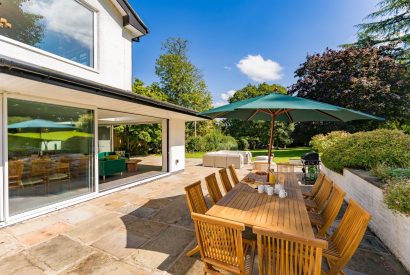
281	155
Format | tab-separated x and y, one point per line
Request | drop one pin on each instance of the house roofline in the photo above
131	19
31	72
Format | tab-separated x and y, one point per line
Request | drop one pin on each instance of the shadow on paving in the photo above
161	231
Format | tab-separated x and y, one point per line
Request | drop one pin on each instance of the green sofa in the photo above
107	167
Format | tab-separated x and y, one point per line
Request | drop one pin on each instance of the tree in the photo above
180	80
390	24
367	79
26	27
152	91
257	132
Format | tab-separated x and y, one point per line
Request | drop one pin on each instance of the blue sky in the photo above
235	42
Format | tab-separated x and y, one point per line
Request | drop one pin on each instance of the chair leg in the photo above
193	251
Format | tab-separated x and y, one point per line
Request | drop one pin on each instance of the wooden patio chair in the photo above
213	188
221	245
234	175
196	204
309	194
316	204
40	167
325	218
226	183
280	253
285	167
62	172
347	237
16	168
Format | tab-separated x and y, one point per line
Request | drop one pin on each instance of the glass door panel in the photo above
50	154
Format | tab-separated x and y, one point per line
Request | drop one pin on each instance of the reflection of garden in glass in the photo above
64	28
50	153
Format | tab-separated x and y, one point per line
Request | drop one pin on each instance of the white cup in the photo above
269	190
277	188
261	189
282	193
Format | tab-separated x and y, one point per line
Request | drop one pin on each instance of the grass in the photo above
281	155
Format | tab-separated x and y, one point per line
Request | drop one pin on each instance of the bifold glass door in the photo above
50	154
2	153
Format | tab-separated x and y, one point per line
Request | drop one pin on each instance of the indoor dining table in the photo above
245	205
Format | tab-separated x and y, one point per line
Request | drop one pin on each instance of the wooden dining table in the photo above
245	205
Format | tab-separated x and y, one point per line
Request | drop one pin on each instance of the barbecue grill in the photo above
311	166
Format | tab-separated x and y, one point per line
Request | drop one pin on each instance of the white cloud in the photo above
259	69
226	96
219	103
67	18
227	68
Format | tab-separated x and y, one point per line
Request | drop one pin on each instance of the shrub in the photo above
364	150
213	141
321	142
192	144
243	144
397	194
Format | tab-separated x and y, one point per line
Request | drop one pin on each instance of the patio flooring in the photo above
146	229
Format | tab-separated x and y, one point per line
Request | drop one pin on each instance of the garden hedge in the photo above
364	150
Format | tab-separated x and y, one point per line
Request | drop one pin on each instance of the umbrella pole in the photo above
272	130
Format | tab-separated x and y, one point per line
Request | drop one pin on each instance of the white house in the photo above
65	79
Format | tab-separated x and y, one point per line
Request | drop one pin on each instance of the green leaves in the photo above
365	150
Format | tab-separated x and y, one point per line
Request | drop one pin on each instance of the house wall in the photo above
176	145
113	60
392	229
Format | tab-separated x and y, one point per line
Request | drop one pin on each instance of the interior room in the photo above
129	148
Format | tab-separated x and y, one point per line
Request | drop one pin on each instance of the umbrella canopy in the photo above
285	108
39	124
279	107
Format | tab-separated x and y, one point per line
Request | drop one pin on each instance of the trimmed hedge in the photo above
321	142
364	150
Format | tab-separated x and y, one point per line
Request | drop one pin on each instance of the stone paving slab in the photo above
59	253
145	229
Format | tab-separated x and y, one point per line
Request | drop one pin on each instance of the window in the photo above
50	154
61	27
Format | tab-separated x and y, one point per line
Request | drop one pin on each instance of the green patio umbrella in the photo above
279	107
40	125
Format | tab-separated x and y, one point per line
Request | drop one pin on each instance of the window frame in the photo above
95	55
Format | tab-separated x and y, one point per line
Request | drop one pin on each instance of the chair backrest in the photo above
280	253
285	167
195	198
318	184
40	167
226	183
349	234
331	209
213	188
233	173
16	168
220	241
62	167
323	193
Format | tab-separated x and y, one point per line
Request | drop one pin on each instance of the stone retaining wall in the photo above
392	229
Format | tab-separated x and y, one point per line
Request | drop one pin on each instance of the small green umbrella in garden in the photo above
279	107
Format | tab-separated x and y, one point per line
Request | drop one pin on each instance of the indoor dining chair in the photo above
226	183
316	204
280	253
309	194
234	175
323	220
196	204
347	237
213	188
221	245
